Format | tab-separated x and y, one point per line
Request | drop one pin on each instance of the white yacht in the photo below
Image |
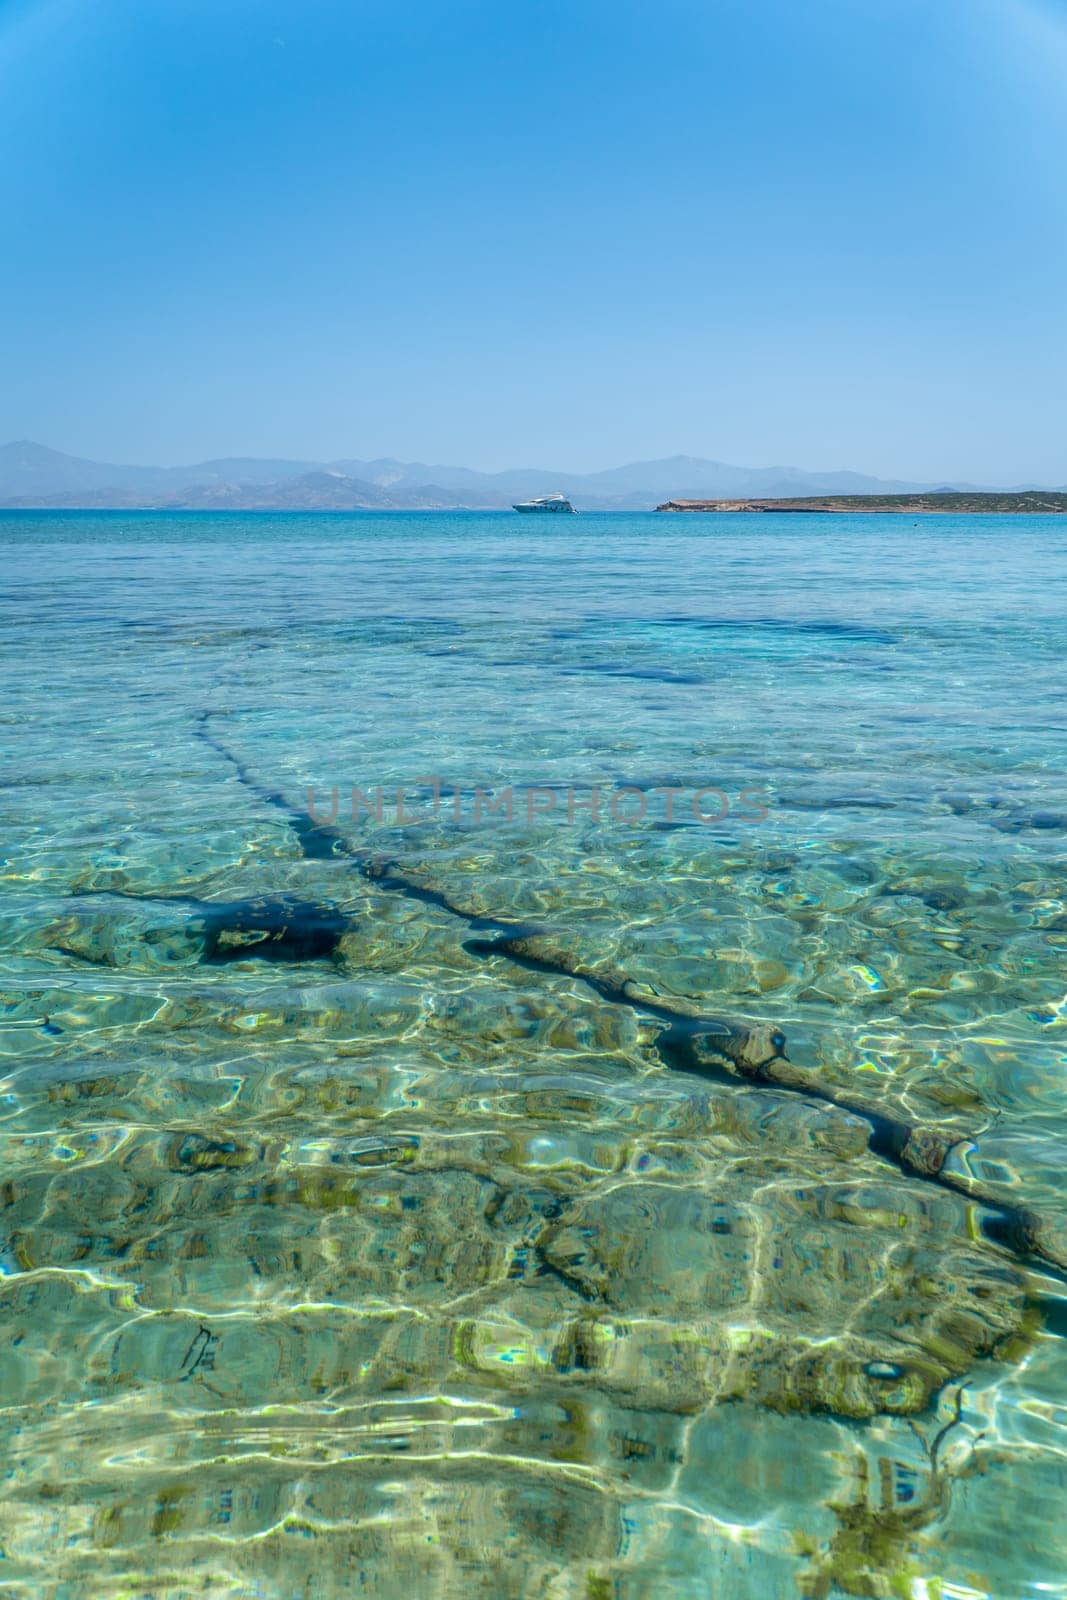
545	502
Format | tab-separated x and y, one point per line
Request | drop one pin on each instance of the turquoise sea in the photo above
344	1254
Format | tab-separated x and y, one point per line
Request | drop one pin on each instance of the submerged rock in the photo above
271	928
143	933
851	1309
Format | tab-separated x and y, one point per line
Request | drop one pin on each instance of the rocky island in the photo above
1030	500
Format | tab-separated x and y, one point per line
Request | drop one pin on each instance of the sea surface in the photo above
344	1254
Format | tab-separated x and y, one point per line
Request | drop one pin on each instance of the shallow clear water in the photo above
384	1265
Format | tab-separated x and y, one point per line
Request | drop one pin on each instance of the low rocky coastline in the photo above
1026	501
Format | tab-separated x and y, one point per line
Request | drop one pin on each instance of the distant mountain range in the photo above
32	475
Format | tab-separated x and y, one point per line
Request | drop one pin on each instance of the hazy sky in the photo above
563	232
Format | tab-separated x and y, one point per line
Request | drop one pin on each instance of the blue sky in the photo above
563	232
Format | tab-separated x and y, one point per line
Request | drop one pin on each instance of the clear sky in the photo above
569	233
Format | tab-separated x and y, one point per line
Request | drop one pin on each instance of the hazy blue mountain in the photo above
241	469
34	475
31	469
27	469
717	478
